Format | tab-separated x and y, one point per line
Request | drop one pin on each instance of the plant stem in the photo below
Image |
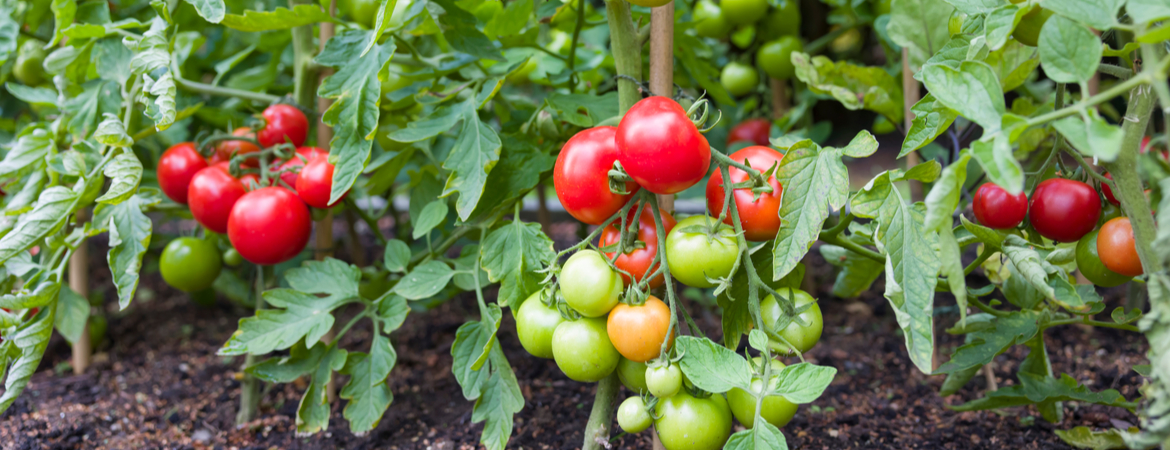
250	387
1095	323
203	88
985	307
304	71
1109	94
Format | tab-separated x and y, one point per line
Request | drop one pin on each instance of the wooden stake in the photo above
324	241
910	94
780	102
662	83
79	282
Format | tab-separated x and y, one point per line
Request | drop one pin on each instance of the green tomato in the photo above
536	323
664	381
739	79
709	21
776	57
744	12
633	375
364	12
784	20
582	350
1091	266
632	415
232	258
693	255
1028	30
190	264
29	68
688	423
775	409
589	285
1109	211
803	338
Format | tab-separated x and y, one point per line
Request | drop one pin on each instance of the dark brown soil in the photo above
158	383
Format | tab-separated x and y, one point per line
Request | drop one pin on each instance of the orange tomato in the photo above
225	149
638	331
1116	248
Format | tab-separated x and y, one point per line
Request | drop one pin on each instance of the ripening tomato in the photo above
660	148
1116	247
293	165
633	375
996	208
269	226
756	131
1108	191
1089	264
582	350
775	409
283	123
589	285
638	331
190	264
636	261
212	194
535	324
176	167
632	415
1064	210
225	149
664	381
801	337
315	183
688	423
760	217
699	248
581	176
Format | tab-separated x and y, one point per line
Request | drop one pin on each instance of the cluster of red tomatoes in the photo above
1066	210
267	221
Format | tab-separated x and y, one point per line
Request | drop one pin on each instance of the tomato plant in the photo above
636	259
660	148
759	212
190	264
176	167
581	176
583	351
776	410
211	194
802	337
315	183
700	249
1064	210
638	331
1116	248
1089	263
283	124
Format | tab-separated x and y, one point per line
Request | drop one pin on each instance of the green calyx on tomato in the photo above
664	381
775	409
190	264
582	350
632	415
686	422
739	79
535	324
701	248
802	337
590	286
1089	263
775	57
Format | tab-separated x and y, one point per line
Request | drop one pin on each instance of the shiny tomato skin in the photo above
638	331
535	325
224	149
176	167
756	131
664	381
637	262
582	350
660	148
590	286
693	256
801	337
1064	210
283	121
688	423
996	208
269	226
632	374
581	176
303	156
1108	191
315	183
760	217
632	415
1090	266
212	194
190	264
1116	248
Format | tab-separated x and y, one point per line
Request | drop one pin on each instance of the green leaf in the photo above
1099	14
392	311
31	340
501	399
581	109
439	121
130	232
512	251
476	151
712	367
912	264
28	150
687	49
999	24
9	30
1084	437
803	383
125	172
1147	10
1036	388
517	172
473	345
1069	52
111	132
397	256
367	391
972	90
278	19
72	314
211	10
52	210
152	61
998	163
921	26
286	369
356	89
1028	264
63	13
44	294
314	411
433	215
856	87
224	66
424	281
974	7
931	119
463	34
511	20
1091	135
1015	328
97	98
814	180
1013	64
37	96
295	315
331	276
88	30
763	436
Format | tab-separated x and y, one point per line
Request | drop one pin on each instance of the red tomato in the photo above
760	217
1064	210
308	153
316	182
1145	147
996	208
269	226
1108	191
637	262
281	122
1116	248
660	147
225	149
751	130
581	176
175	169
211	195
